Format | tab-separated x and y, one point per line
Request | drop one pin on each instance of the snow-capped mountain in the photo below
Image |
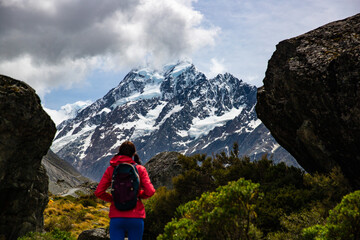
176	109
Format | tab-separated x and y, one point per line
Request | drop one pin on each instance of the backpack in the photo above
125	186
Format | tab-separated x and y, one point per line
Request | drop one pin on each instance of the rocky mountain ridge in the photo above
176	109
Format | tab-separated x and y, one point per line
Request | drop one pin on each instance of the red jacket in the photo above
146	189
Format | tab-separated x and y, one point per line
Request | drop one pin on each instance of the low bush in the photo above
55	234
343	221
227	213
290	194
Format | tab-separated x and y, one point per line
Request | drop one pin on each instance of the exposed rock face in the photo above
26	133
62	176
310	100
162	168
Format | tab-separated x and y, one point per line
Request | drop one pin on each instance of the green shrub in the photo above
55	234
343	221
160	209
227	213
88	202
293	224
288	192
316	232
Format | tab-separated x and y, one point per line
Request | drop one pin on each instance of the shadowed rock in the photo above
94	234
26	133
162	168
310	100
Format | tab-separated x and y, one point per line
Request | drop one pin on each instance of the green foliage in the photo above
294	223
227	213
343	221
88	202
55	234
290	195
160	209
329	188
305	205
195	180
61	235
197	177
316	232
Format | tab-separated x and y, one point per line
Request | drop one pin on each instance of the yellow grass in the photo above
71	216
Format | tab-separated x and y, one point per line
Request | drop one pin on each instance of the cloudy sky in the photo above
71	50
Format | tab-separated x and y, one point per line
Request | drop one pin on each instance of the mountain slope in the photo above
176	109
62	176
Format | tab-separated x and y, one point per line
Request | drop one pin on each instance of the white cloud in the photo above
44	77
56	115
67	111
251	29
57	43
216	68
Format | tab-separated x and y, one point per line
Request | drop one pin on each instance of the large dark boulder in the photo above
310	100
26	133
162	168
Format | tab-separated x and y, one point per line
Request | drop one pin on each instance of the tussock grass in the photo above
75	215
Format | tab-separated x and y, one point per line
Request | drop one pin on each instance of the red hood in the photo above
116	160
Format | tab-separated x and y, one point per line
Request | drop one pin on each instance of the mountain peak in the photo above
147	83
174	70
147	72
176	109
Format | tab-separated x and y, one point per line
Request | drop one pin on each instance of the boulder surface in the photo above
95	234
26	133
162	168
310	100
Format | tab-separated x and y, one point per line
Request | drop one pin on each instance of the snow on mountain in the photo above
176	109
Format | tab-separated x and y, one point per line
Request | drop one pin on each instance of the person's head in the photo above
127	148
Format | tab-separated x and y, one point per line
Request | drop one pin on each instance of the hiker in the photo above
126	221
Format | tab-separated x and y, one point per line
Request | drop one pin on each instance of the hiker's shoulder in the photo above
140	168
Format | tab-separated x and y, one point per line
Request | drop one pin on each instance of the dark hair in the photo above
127	148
